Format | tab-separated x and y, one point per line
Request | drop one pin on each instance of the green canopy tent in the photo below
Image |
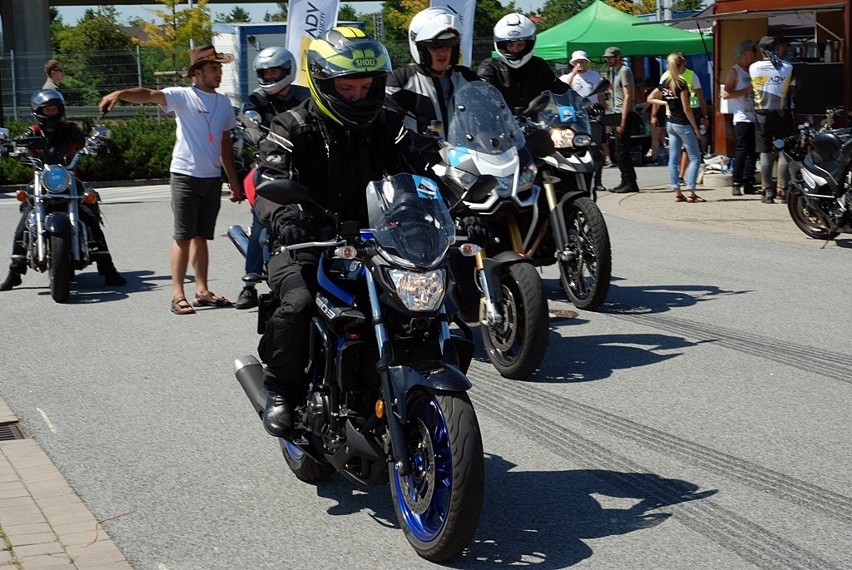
599	26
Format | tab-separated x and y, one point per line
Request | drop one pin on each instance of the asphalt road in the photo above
700	420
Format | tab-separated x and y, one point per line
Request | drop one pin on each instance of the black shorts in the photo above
195	203
770	126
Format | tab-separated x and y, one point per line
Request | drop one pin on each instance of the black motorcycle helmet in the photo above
45	98
350	53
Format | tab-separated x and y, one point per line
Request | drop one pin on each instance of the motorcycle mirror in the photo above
4	133
101	132
538	104
251	119
601	86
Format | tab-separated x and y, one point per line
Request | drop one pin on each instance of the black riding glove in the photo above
476	229
298	230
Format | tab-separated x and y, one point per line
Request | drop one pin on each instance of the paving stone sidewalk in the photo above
43	523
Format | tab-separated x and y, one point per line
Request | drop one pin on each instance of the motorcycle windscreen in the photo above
566	110
480	120
409	219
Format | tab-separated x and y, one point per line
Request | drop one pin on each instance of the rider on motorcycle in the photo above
276	69
334	144
424	88
519	75
64	139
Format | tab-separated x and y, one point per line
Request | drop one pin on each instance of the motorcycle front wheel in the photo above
439	502
806	218
60	270
585	278
516	346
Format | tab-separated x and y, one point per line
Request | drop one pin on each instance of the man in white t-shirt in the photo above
203	147
583	80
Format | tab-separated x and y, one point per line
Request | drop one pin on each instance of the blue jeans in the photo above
683	136
256	254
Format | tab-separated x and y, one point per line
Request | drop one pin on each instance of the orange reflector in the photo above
380	409
22	195
90	197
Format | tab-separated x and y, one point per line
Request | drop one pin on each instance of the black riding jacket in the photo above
333	162
521	85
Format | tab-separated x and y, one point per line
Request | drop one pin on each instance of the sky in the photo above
71	14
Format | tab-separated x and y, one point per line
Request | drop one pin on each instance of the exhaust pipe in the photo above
239	238
249	373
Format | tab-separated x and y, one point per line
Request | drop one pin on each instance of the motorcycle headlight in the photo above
463	179
55	179
562	138
582	140
419	291
527	177
504	186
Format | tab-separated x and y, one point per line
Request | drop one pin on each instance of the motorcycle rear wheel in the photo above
60	270
439	502
516	346
305	467
806	219
585	279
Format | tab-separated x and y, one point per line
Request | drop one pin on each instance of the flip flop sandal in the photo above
211	300
181	306
681	198
695	198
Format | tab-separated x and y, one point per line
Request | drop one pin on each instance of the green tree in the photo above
177	28
686	5
237	15
347	13
279	16
81	49
554	12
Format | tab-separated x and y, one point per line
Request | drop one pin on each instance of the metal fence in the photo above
91	74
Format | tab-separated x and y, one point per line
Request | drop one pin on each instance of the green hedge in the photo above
140	147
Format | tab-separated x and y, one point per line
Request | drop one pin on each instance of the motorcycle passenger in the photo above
423	90
64	139
334	144
276	69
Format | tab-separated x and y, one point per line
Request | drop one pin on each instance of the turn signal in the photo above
22	195
90	197
380	408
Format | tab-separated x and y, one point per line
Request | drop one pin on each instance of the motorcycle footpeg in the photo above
19	257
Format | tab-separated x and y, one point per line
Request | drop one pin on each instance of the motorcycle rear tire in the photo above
806	220
586	278
60	270
303	466
438	504
516	348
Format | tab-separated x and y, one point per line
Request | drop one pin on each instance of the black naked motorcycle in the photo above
387	397
57	239
502	289
574	233
820	166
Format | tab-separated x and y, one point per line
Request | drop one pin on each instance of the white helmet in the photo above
512	28
272	57
433	27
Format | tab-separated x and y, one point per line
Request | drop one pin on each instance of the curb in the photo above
43	523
